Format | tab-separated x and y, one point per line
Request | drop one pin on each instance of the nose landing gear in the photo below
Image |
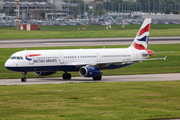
24	77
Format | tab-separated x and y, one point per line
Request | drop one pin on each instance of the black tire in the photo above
97	77
94	78
66	76
23	79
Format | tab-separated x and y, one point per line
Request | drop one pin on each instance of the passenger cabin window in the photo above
16	58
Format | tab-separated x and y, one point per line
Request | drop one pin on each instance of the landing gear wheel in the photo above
66	76
97	77
24	77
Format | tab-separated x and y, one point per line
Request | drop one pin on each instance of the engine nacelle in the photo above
90	71
44	73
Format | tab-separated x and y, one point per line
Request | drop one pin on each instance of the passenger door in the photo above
98	56
61	58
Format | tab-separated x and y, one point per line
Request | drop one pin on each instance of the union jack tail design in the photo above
141	40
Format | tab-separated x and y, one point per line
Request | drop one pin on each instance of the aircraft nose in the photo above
8	65
12	65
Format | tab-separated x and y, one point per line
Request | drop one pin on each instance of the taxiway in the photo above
25	43
118	78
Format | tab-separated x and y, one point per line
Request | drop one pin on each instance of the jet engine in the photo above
44	73
89	71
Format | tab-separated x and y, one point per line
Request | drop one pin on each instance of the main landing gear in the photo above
97	77
66	76
24	77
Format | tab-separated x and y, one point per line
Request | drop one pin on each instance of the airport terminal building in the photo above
34	9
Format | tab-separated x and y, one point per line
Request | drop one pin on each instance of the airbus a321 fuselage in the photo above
89	62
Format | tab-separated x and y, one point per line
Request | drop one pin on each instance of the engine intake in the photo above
44	73
90	71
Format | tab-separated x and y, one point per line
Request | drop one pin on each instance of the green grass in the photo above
91	101
172	65
93	31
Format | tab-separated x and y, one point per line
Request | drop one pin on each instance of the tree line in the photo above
149	6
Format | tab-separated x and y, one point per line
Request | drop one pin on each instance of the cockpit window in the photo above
16	58
13	57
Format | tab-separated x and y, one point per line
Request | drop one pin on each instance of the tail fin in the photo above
141	40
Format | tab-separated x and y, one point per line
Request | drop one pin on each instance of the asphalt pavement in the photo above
117	78
25	43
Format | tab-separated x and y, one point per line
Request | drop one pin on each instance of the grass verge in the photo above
87	101
93	31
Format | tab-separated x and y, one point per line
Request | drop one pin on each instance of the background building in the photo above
37	9
132	1
57	4
1	4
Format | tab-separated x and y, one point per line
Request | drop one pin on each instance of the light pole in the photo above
148	7
84	8
122	7
119	7
164	6
17	13
114	6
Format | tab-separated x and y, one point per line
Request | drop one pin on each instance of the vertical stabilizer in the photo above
141	40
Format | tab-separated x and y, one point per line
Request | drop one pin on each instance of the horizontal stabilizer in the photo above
157	53
156	59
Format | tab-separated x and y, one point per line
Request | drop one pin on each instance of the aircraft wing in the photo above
105	64
78	64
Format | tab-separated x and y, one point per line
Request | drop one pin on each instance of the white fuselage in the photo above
70	59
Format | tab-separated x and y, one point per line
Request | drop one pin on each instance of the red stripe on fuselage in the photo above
33	55
145	29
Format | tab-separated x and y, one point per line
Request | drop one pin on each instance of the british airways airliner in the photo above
89	62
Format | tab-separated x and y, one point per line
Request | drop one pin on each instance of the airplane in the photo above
89	62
